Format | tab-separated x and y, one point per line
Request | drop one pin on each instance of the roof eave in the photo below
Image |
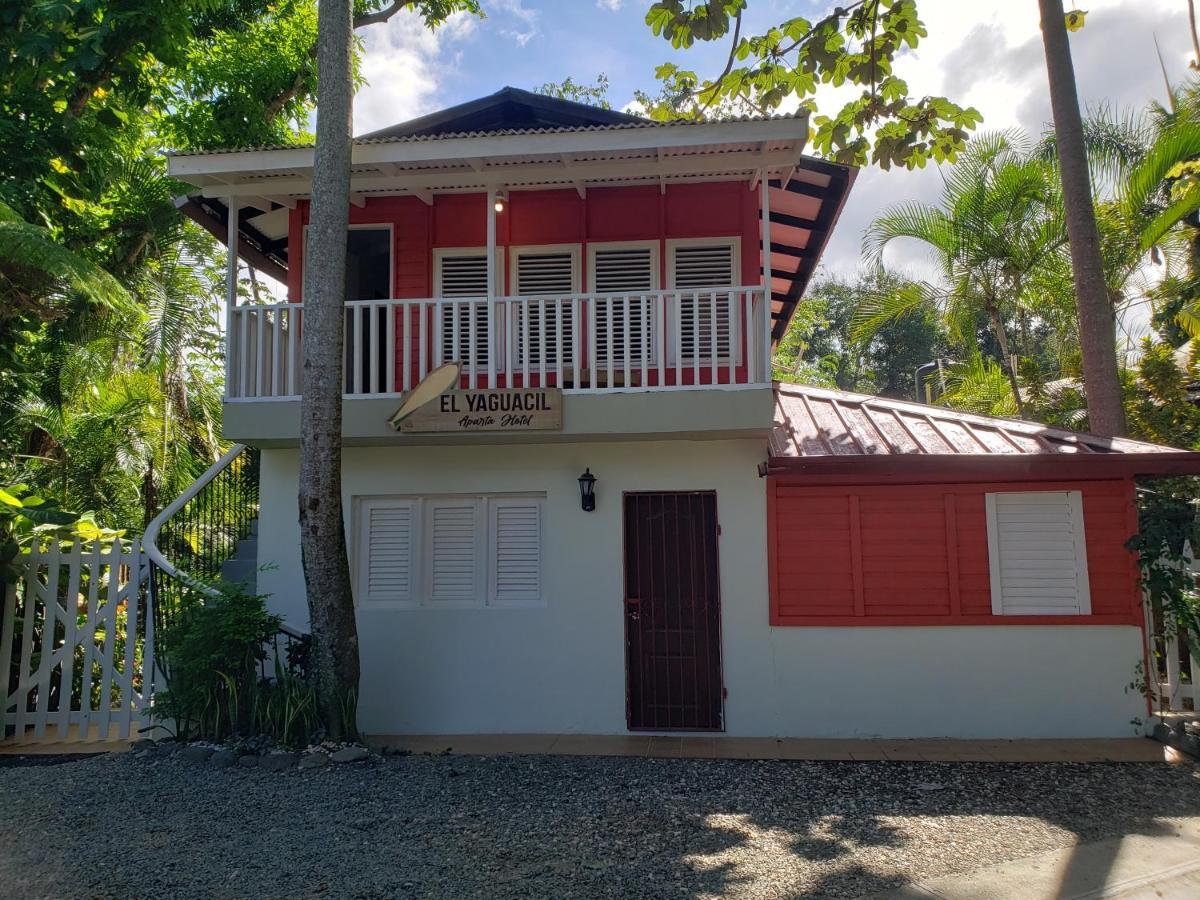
434	149
988	467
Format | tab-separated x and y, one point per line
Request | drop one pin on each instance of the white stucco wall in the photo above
561	668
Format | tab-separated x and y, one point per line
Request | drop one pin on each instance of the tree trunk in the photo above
1097	327
1010	360
322	530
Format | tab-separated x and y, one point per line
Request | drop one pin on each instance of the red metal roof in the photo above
821	429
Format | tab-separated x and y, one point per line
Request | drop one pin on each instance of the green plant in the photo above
25	516
215	650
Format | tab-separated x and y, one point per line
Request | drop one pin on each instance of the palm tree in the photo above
997	228
1102	383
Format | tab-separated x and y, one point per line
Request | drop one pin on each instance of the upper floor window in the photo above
550	273
369	263
462	272
705	322
624	321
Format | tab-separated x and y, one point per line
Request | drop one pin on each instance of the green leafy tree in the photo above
857	44
996	230
821	348
569	89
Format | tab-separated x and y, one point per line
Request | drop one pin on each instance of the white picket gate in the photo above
77	644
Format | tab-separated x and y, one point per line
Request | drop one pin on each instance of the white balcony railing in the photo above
659	340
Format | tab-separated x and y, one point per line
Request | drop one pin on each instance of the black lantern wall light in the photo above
587	490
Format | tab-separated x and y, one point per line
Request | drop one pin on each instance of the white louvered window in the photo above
696	267
625	274
550	274
454	551
452	556
516	550
387	528
1037	554
463	274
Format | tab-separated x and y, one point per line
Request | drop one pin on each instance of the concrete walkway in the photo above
1163	866
674	747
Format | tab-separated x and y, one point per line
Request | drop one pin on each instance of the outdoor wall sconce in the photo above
587	490
499	204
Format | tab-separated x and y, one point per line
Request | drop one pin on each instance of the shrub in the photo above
216	653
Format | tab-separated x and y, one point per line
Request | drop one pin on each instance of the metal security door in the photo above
672	612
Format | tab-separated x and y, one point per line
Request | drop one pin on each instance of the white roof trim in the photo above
496	145
534	174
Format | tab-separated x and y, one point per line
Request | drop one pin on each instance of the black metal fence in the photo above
204	533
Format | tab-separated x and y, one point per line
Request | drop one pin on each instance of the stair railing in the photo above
199	530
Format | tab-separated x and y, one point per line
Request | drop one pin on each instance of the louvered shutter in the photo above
452	534
386	561
463	275
693	268
551	275
516	550
630	273
1037	553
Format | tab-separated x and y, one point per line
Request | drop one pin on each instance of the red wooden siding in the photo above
720	209
918	554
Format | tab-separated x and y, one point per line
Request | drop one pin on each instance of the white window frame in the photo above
1074	500
655	248
497	328
420	563
361	558
477	505
516	252
493	505
572	328
736	327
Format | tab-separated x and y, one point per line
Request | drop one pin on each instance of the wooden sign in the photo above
527	409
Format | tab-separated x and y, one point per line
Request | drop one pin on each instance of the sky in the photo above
982	53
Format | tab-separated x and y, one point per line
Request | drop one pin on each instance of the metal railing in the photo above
653	340
194	535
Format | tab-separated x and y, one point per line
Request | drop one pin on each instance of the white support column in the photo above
764	187
491	288
231	240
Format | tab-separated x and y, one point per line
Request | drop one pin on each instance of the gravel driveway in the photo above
553	827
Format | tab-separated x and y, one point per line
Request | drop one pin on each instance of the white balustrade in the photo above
649	340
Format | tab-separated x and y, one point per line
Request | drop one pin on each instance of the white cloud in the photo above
403	63
988	54
610	5
517	21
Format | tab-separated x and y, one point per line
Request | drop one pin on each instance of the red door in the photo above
672	612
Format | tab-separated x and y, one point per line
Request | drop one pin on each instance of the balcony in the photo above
714	338
678	350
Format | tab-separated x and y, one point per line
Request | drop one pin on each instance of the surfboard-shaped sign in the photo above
440	379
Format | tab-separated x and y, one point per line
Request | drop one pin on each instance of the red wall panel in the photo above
918	554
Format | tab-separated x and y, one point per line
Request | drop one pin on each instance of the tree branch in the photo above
737	30
382	15
276	104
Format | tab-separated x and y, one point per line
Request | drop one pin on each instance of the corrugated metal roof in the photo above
431	138
817	422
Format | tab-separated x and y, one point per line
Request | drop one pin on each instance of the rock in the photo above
223	759
249	761
316	760
350	754
1192	727
196	753
930	786
144	744
389	750
277	762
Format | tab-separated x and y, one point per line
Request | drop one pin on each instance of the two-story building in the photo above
751	558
